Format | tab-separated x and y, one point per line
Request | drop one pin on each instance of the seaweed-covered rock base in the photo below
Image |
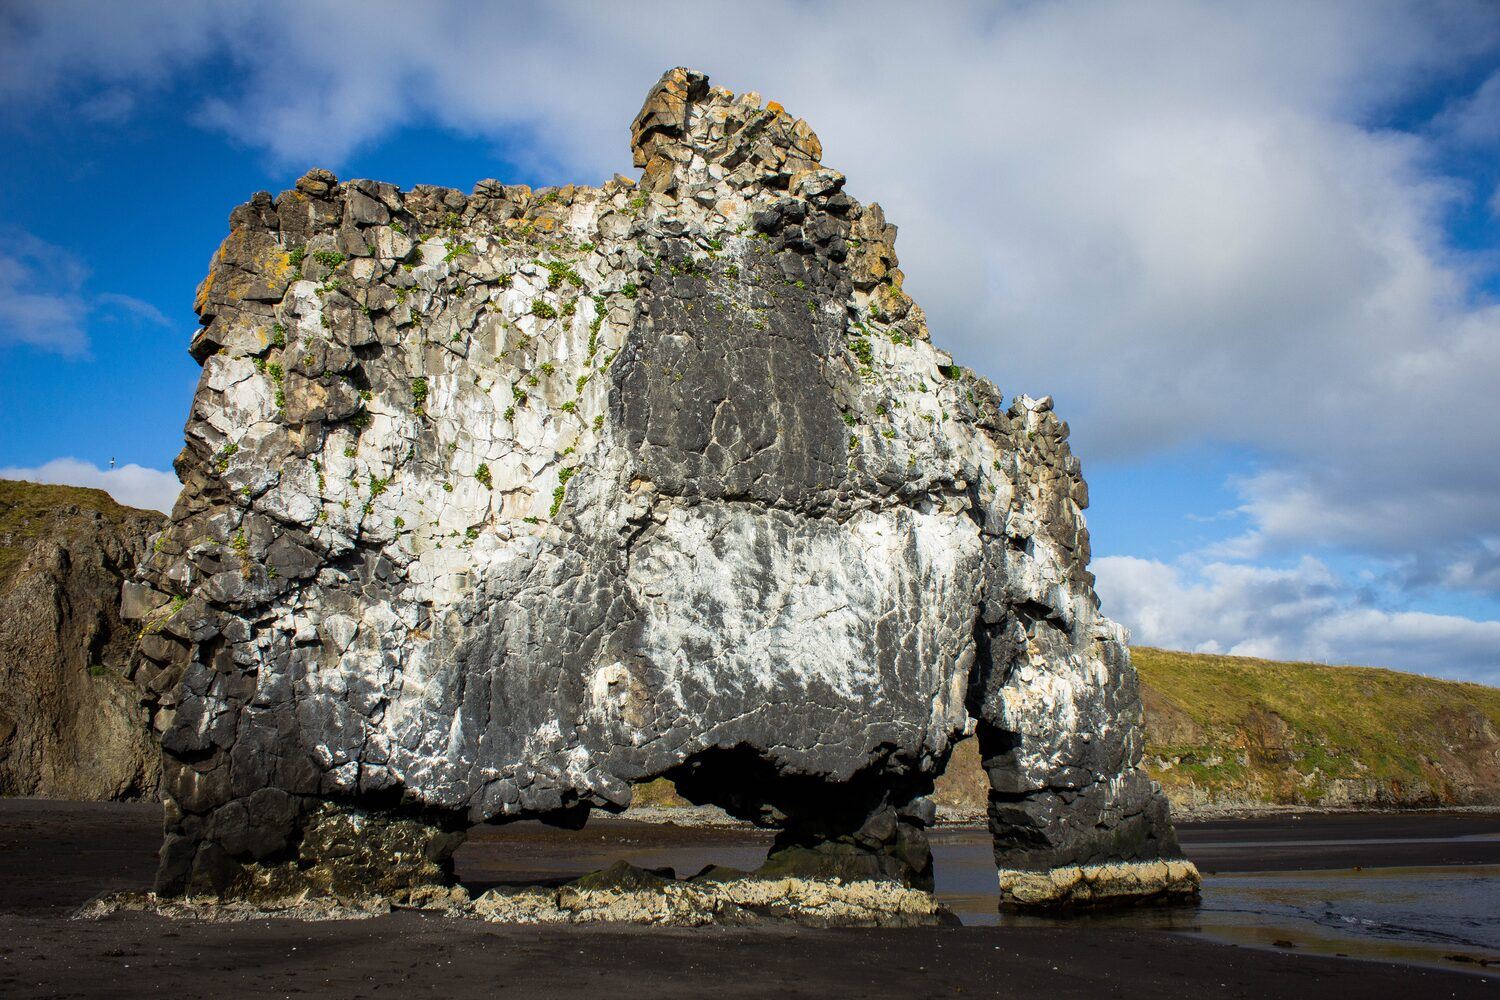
620	896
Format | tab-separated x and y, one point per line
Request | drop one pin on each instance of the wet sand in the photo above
55	856
1306	841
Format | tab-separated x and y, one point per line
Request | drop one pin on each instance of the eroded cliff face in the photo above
497	503
71	722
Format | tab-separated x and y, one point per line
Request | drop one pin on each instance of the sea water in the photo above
1414	915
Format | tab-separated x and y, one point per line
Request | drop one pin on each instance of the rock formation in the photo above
498	503
71	722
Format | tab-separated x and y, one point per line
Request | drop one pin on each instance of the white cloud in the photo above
60	47
41	296
1476	120
132	307
44	301
131	485
1301	612
1477	569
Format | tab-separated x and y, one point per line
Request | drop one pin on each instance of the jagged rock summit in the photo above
498	503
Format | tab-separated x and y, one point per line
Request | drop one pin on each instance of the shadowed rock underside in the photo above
498	503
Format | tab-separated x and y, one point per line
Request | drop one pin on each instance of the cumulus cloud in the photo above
1476	119
44	301
1300	612
131	485
41	296
69	48
1477	570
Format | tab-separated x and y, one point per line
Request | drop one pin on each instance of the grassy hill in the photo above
1230	730
71	721
29	511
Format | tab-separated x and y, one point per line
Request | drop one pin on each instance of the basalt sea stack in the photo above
498	503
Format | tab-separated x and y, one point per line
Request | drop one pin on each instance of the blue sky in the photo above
1253	250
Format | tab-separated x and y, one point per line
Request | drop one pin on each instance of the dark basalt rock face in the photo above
498	503
72	725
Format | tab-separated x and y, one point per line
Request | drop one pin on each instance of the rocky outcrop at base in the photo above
621	895
72	725
1076	887
496	505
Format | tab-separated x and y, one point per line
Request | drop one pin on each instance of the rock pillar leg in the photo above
1075	822
349	852
1074	819
342	852
889	845
866	829
269	846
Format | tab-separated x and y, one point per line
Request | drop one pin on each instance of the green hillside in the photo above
1231	732
1226	730
29	511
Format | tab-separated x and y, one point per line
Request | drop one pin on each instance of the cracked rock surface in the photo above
497	503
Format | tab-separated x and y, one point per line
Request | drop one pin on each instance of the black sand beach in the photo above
55	856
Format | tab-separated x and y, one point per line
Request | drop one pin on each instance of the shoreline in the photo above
711	816
55	856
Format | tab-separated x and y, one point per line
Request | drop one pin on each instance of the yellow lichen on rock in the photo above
811	902
206	286
1082	886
